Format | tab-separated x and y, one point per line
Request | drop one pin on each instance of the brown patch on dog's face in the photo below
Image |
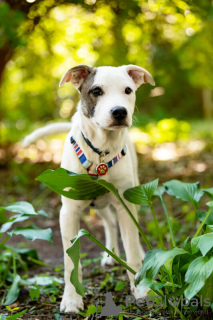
88	99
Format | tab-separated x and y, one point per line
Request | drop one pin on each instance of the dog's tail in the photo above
54	128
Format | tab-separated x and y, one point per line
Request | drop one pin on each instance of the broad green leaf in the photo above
206	243
13	292
195	244
72	185
17	315
209	192
153	260
83	187
141	194
201	215
153	284
184	191
22	207
74	253
32	233
199	270
6	226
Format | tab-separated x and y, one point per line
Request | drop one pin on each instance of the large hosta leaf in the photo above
199	270
184	191
72	185
203	243
153	260
32	233
141	194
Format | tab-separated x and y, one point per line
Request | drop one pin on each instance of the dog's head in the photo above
108	93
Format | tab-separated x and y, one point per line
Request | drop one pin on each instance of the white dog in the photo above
98	144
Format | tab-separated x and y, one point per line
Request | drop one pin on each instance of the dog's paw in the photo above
71	304
137	294
107	261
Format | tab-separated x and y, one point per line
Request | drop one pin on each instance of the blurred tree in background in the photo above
40	40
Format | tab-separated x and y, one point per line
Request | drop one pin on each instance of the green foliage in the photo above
15	258
141	194
184	191
180	270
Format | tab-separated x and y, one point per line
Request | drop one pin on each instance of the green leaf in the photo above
13	292
201	215
34	293
74	253
153	260
184	191
17	315
210	204
153	284
206	243
120	285
199	270
32	233
209	192
159	192
141	194
44	280
81	186
22	207
148	283
195	244
6	226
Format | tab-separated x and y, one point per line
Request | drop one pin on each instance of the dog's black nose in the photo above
119	113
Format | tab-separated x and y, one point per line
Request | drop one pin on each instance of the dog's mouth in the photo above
118	124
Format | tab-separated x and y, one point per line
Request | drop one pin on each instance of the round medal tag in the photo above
102	169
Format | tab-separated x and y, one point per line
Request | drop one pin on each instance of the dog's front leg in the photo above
131	242
69	224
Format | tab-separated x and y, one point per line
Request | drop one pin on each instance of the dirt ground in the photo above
18	184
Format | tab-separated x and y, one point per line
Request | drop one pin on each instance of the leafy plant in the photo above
15	258
184	270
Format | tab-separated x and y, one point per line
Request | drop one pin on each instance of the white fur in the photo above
123	174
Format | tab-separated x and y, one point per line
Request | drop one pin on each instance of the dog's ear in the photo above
139	75
76	75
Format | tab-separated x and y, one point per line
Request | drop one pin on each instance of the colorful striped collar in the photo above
102	168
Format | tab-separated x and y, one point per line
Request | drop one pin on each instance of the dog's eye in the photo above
128	90
97	92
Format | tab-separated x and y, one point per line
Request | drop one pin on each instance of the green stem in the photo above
203	222
169	222
122	262
116	194
3	241
156	224
14	264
